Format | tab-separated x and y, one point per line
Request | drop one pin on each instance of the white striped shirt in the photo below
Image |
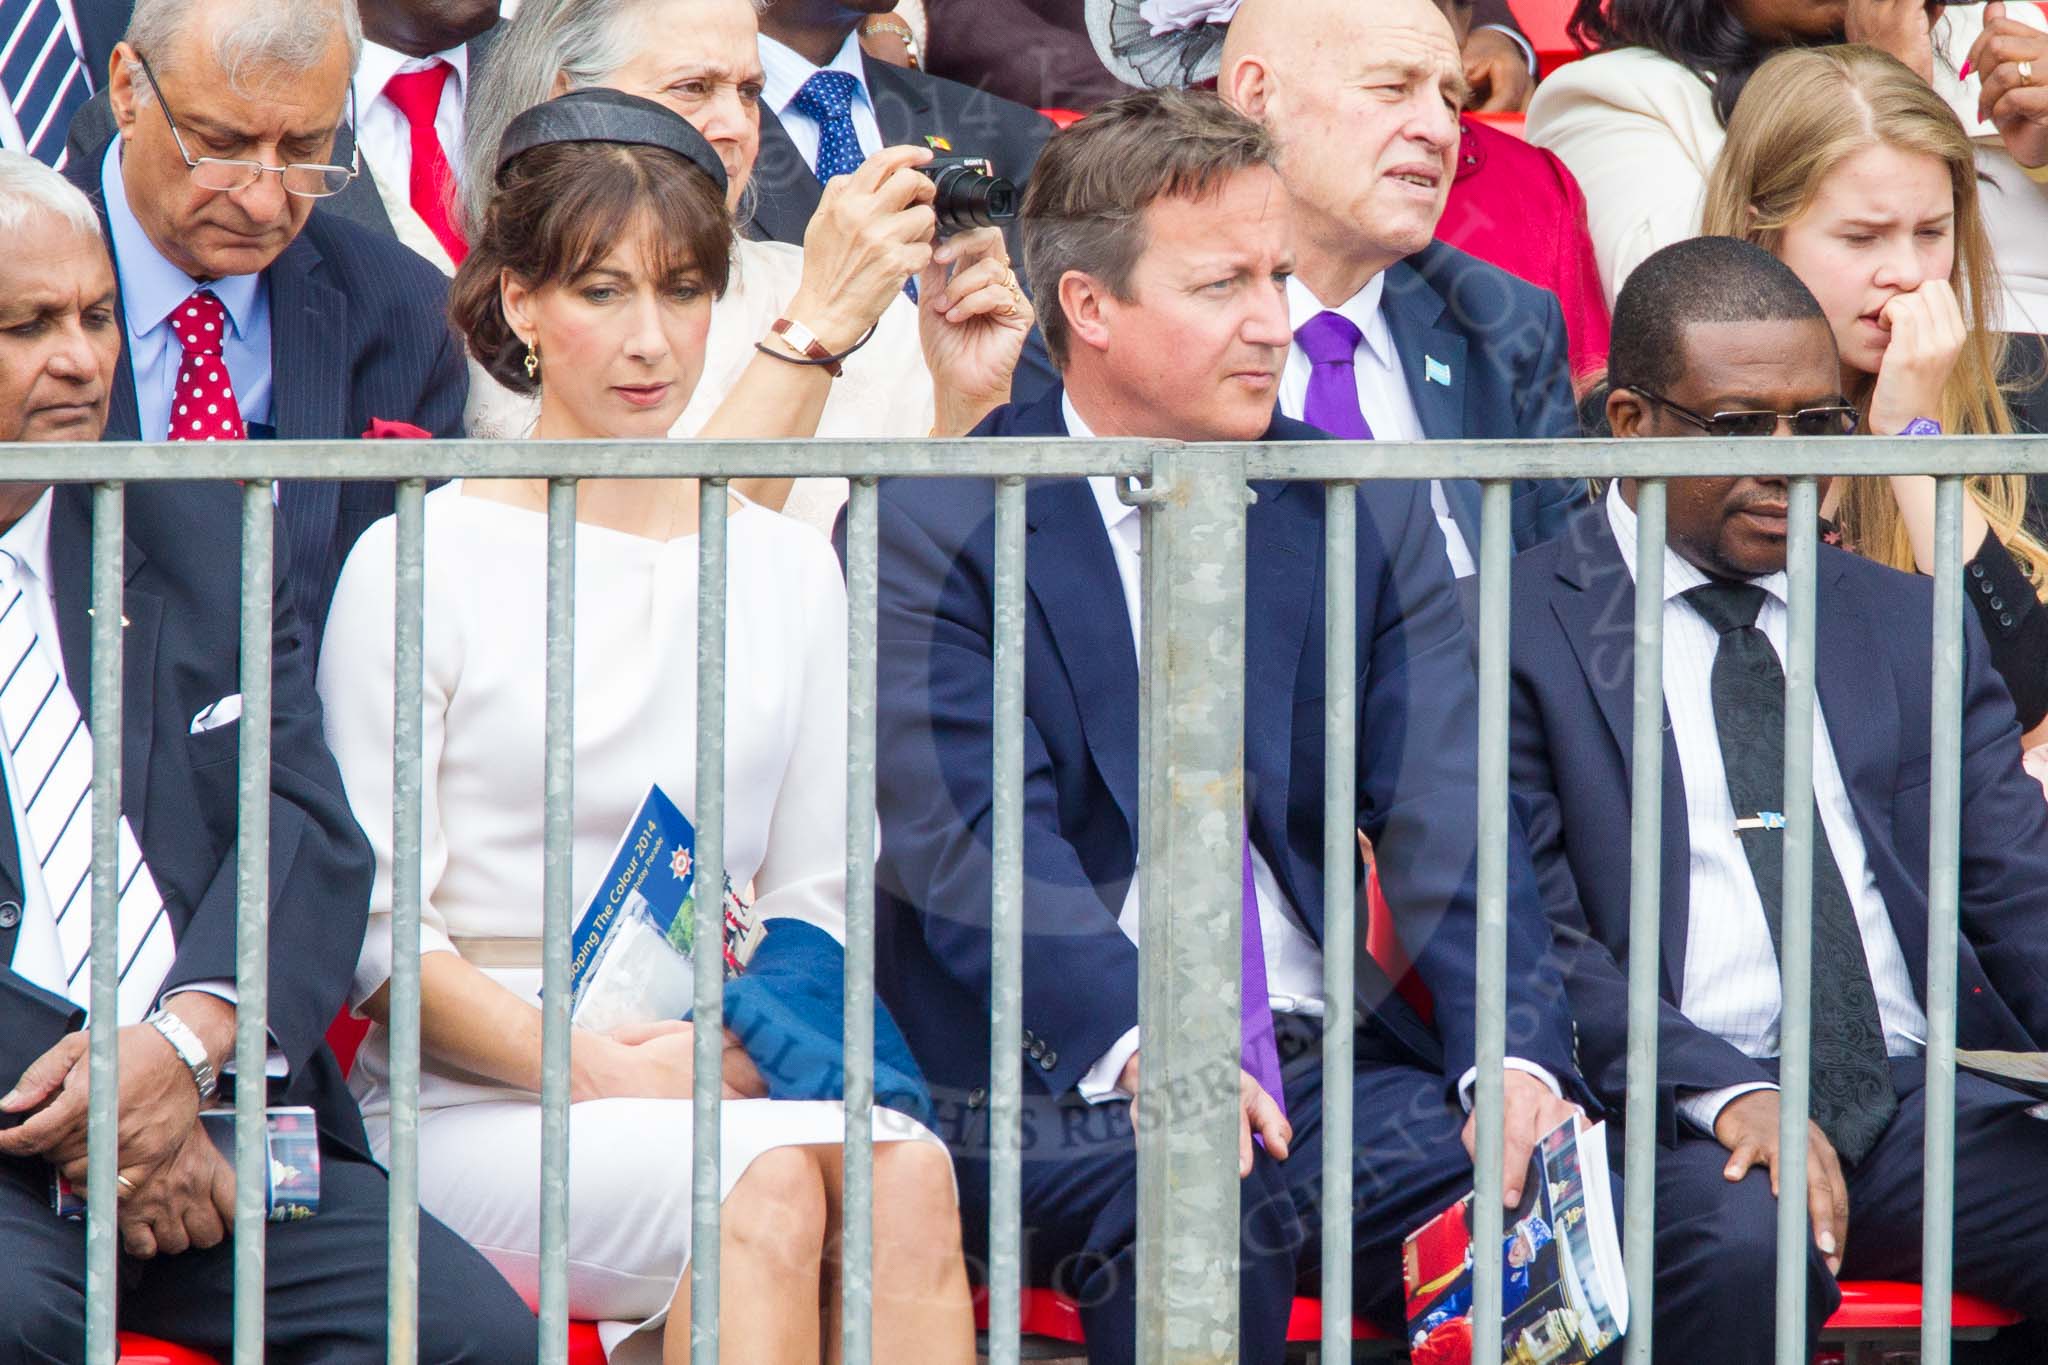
1731	985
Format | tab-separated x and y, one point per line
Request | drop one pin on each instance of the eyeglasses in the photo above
225	175
1834	420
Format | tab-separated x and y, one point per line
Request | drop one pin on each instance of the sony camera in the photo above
970	193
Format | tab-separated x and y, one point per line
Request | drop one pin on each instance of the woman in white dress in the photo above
701	59
591	282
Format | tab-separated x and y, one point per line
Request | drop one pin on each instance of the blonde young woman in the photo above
1851	170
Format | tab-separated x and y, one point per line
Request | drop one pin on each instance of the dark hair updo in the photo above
559	210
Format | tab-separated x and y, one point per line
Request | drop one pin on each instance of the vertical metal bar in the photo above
252	922
1937	1234
401	1286
1795	953
857	1274
1340	898
558	851
1489	1100
102	1163
1191	972
708	1009
1006	968
1646	815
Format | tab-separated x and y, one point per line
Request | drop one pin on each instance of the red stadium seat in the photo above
1055	1317
1512	122
1543	23
1889	1305
1063	118
345	1035
137	1349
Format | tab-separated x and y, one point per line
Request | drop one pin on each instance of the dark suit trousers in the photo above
1717	1242
1080	1190
325	1276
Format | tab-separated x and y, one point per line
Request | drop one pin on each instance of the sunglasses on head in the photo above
1836	419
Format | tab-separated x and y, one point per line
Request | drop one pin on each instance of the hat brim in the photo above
1171	61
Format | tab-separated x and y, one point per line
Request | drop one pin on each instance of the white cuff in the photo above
274	1063
373	966
1702	1107
1470	1079
1528	50
1098	1085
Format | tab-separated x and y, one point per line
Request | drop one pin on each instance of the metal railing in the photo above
1192	704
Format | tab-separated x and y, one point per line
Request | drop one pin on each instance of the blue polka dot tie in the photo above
827	98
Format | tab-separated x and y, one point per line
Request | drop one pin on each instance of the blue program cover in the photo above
654	865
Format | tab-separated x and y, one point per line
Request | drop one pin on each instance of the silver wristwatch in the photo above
190	1051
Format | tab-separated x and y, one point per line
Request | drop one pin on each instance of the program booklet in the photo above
632	953
1564	1294
294	1141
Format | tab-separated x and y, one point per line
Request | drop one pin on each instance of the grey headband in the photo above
604	115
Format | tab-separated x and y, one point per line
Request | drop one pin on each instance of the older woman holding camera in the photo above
700	58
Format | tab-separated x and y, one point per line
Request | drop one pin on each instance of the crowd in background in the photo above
229	220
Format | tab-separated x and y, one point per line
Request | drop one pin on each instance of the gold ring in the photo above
127	1185
2026	71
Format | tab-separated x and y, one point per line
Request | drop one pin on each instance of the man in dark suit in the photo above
324	326
1396	336
1167	315
1716	326
181	701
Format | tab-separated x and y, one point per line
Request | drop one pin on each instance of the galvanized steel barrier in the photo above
1192	703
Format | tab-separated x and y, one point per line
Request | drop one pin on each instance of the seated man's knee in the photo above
776	1211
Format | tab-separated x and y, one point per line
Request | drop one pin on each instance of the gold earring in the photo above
532	362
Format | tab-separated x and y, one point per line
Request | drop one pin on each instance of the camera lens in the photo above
969	196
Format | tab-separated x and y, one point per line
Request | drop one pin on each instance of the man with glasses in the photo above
248	313
1717	337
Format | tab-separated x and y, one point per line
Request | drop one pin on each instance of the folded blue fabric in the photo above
788	1011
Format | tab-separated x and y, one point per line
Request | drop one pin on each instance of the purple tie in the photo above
1330	341
1260	1053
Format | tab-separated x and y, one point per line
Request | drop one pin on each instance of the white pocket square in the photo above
226	711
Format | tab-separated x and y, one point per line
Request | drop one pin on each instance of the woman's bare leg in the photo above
923	1309
771	1231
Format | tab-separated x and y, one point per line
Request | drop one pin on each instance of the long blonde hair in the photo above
1805	112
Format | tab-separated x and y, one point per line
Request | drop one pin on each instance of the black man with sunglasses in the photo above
1715	337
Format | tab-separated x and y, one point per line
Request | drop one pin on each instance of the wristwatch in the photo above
190	1051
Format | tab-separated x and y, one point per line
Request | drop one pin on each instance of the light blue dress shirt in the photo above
151	290
783	73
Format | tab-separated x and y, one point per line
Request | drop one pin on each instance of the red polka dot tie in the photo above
204	408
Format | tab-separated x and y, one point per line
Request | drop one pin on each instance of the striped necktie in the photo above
50	758
40	76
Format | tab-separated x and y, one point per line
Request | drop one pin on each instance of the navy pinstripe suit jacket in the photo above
358	330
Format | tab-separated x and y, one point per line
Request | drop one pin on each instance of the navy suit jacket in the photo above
1416	795
358	330
1485	358
182	603
1573	665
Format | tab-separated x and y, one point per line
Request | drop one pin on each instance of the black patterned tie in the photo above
1853	1098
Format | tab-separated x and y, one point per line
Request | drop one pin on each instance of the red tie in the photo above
204	408
418	96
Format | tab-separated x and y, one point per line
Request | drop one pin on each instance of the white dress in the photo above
635	723
886	389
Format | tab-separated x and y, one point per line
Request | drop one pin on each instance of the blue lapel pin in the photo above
1434	371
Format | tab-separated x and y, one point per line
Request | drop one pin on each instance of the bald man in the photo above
1397	337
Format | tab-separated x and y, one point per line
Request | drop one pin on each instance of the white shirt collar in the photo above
1681	575
380	64
1362	308
1115	511
25	546
784	71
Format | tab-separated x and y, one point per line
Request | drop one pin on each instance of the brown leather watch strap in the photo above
803	339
